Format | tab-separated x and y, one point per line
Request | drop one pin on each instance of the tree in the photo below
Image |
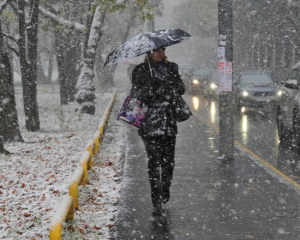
28	61
67	42
9	126
85	88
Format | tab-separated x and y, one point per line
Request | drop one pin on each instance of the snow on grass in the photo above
35	177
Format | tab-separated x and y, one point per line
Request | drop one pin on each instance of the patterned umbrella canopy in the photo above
146	42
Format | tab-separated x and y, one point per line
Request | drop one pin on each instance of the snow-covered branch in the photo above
71	25
10	37
3	5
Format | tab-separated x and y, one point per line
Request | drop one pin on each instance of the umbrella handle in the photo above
149	64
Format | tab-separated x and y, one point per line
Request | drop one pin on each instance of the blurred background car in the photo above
211	85
256	90
195	82
288	111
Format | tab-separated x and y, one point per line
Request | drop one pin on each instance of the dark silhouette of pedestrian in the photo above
154	82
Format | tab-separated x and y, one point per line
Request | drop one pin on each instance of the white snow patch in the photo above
35	177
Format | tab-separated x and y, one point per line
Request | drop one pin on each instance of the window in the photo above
294	74
257	78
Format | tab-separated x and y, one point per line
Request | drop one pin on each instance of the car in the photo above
195	83
184	68
211	86
288	111
256	89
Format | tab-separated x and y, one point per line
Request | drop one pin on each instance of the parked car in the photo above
195	83
211	86
288	111
256	90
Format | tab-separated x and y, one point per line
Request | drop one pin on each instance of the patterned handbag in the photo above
133	112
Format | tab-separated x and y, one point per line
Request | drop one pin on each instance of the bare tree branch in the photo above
10	37
71	25
14	50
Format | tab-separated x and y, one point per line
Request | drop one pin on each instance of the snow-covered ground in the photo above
35	177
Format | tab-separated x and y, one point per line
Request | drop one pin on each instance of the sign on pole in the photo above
225	71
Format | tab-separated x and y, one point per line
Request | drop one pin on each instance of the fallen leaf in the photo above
110	225
27	214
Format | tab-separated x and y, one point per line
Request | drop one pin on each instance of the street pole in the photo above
225	65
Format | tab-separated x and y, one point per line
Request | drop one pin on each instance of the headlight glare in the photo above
279	93
213	86
245	94
195	81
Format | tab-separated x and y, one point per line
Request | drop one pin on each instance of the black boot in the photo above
157	209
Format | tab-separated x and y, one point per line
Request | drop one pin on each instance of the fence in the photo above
70	203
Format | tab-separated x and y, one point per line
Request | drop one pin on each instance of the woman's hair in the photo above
149	55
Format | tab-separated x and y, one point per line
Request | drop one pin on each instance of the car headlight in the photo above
245	94
213	86
279	93
195	81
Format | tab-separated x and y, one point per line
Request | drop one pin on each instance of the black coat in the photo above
157	91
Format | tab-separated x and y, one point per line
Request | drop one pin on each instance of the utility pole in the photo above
225	66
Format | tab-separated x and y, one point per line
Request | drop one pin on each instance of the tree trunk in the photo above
85	95
29	68
68	54
59	44
41	77
9	125
71	68
50	68
7	30
2	149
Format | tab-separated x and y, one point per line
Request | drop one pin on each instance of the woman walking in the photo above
154	83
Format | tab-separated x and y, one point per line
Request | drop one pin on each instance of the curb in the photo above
69	203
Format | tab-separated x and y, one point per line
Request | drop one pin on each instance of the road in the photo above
256	131
212	198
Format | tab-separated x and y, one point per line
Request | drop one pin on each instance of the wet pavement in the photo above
212	198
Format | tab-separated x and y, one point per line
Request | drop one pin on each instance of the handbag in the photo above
182	111
133	112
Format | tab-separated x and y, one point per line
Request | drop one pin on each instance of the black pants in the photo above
161	152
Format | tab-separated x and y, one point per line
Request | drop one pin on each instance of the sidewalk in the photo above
211	199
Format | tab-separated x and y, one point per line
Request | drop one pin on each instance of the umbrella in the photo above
146	42
130	62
